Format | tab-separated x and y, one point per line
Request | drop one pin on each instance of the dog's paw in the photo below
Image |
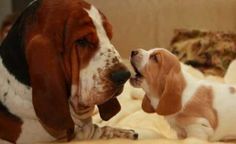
122	133
119	133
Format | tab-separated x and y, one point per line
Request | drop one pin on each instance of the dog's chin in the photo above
137	79
111	94
101	97
118	91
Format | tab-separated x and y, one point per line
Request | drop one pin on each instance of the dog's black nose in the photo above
120	77
134	53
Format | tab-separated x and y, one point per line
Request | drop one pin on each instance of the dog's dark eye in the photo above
83	42
154	57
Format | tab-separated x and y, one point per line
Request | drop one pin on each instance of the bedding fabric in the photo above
149	126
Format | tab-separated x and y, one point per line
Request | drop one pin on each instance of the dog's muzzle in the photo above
120	77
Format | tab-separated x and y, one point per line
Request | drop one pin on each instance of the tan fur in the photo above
75	67
146	105
200	106
166	81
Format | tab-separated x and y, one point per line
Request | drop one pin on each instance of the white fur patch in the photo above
154	101
18	100
15	96
192	84
32	132
151	96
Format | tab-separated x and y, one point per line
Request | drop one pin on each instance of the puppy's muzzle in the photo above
134	53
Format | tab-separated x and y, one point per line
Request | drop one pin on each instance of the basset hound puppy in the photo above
56	64
193	107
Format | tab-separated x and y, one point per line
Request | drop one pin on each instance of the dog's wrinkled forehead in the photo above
146	54
106	54
143	57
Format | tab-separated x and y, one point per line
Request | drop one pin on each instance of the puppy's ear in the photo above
109	109
50	91
146	105
170	99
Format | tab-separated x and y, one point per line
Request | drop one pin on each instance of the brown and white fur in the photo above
56	64
193	107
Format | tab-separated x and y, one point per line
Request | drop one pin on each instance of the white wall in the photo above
5	9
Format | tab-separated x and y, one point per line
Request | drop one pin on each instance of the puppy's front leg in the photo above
92	131
200	129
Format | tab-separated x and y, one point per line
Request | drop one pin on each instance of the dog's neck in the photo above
82	115
191	84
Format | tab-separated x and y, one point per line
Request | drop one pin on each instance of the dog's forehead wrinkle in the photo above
145	57
104	42
97	21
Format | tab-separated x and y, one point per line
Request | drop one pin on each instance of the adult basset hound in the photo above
57	63
193	107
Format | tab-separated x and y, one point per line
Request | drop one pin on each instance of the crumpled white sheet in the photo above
132	116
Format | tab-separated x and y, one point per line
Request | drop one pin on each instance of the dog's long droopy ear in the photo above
146	105
170	99
50	94
108	109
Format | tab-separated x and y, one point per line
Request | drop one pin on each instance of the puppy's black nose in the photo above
120	77
134	53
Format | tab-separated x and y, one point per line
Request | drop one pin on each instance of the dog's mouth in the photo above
138	74
136	80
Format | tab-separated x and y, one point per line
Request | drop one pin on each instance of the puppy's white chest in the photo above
154	101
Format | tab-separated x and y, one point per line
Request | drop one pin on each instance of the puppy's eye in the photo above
83	42
154	58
